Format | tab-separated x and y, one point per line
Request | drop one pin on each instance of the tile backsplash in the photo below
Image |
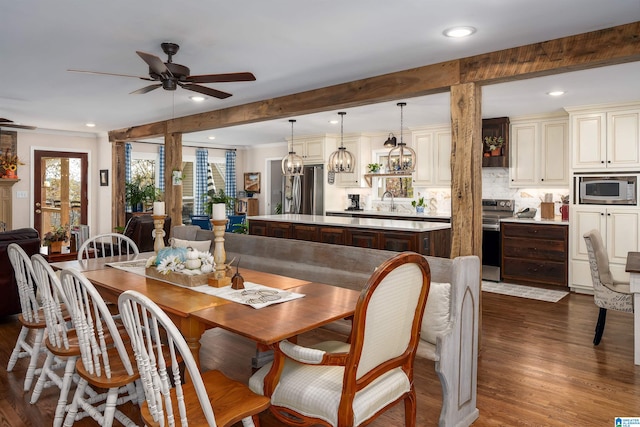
495	185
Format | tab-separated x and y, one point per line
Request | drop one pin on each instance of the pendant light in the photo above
341	161
391	141
292	163
402	159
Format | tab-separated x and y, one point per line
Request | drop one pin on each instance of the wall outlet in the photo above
21	194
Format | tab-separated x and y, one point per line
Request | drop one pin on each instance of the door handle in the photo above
38	204
38	211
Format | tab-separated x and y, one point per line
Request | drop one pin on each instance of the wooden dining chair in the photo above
108	244
31	316
342	384
105	361
61	340
207	399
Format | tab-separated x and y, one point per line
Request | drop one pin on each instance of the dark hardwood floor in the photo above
537	367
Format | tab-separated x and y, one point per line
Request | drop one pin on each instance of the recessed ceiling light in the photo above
334	122
556	93
197	98
90	125
212	137
458	32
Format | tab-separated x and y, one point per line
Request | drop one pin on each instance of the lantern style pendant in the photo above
292	163
402	159
341	161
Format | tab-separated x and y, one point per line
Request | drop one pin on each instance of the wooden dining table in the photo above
633	268
194	312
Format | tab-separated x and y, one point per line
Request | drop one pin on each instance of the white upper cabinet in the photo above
311	150
539	152
433	157
359	146
606	139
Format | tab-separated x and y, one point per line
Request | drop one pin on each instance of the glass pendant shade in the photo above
341	161
292	163
402	159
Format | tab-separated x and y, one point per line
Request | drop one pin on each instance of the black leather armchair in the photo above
29	240
139	229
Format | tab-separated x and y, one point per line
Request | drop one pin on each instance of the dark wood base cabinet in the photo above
535	254
434	243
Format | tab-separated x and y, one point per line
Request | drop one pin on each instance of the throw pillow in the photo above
198	245
436	313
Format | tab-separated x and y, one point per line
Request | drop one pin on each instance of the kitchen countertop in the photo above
412	214
556	221
382	224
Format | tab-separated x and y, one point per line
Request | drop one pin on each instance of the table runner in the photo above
254	294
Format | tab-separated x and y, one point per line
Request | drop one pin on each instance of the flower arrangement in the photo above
493	142
10	162
196	262
57	234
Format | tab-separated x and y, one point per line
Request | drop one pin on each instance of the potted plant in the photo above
493	145
217	204
55	238
419	205
374	167
140	196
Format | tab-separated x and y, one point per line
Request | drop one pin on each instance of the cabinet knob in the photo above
608	161
601	161
608	214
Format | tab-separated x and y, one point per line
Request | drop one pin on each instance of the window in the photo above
401	187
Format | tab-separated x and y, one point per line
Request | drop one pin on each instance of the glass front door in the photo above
60	186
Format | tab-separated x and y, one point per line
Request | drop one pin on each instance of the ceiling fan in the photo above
170	75
6	123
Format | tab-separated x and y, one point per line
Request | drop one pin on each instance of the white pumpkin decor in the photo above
207	268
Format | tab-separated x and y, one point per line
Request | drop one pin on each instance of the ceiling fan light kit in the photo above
402	159
341	160
292	163
170	75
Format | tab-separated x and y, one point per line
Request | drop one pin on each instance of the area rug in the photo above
541	294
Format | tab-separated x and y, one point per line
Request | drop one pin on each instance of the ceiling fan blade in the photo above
11	125
146	89
205	90
111	74
221	78
155	63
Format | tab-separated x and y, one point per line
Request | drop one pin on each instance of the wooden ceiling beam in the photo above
610	46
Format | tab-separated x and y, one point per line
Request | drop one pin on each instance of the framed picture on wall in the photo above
252	182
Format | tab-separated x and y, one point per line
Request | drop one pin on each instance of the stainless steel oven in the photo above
493	210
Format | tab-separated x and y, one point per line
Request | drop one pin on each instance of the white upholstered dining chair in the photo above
31	316
207	399
608	293
342	384
105	361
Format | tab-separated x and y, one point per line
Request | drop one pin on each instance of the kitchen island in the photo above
402	215
427	238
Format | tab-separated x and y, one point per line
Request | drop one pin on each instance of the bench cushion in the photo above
436	314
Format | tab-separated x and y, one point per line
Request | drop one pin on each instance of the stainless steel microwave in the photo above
607	190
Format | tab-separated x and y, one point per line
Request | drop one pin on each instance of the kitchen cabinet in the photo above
535	253
497	127
606	139
433	157
311	150
426	242
539	153
619	227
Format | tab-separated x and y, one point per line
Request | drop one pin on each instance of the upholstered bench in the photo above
450	326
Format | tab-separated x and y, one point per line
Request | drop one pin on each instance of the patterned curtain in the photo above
202	162
127	167
230	177
161	167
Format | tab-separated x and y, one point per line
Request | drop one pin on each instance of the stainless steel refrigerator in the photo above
308	192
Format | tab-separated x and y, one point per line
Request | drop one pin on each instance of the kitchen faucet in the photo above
393	207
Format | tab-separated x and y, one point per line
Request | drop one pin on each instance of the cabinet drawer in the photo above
542	249
535	271
555	232
305	232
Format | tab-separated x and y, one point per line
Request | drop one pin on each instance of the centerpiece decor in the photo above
55	238
493	145
183	266
158	225
418	204
220	277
